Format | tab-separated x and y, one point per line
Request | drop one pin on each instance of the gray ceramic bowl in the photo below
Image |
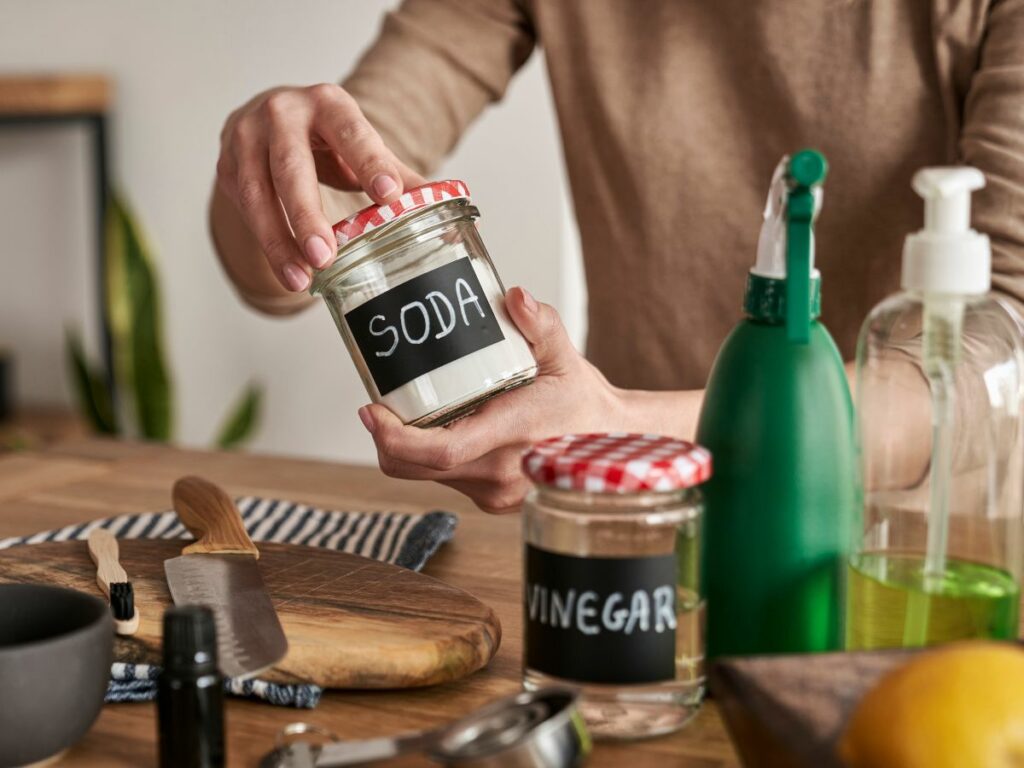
56	647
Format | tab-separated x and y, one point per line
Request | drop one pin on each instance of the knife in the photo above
219	570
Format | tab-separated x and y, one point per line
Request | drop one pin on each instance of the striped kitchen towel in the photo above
408	540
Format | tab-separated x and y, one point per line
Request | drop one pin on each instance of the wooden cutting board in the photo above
351	622
789	711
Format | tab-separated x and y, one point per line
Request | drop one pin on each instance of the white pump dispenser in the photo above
947	256
940	414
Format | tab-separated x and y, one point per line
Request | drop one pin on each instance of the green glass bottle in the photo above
778	419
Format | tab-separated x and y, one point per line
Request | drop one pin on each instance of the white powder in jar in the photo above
450	388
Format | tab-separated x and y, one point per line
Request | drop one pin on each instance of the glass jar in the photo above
421	308
612	600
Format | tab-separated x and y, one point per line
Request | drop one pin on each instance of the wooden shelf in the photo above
30	100
54	95
40	425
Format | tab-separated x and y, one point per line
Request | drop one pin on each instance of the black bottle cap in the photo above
190	640
190	692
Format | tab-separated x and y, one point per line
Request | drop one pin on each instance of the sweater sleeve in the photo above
992	140
433	69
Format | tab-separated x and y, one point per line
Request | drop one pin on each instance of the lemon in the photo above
962	706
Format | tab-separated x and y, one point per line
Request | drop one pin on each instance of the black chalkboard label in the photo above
422	324
600	619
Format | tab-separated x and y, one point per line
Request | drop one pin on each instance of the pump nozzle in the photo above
947	197
947	256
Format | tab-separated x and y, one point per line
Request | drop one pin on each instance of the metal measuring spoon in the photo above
533	729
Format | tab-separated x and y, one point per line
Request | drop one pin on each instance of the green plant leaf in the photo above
90	387
242	420
133	311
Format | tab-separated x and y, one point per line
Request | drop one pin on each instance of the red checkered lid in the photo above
617	462
373	216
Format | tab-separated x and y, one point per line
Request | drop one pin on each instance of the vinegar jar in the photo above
421	308
612	601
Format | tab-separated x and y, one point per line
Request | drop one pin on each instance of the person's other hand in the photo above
274	150
480	454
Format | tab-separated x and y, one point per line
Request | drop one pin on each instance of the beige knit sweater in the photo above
673	114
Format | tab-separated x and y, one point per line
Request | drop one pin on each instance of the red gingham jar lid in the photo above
617	462
373	216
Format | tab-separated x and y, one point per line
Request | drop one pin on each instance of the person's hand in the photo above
274	150
480	455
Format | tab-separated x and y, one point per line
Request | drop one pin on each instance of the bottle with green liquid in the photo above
940	402
778	419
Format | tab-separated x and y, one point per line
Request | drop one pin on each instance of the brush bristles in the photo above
122	600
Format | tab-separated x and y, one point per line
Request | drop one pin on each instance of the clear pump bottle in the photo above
939	411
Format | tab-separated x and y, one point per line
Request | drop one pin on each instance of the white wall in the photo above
180	68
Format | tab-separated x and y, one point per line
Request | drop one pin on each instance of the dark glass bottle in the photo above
190	699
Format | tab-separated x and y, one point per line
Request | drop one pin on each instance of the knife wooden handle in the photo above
211	516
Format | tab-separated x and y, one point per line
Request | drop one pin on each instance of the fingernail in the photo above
296	277
383	185
317	252
528	301
366	418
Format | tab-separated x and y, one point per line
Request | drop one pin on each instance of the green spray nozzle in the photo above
807	170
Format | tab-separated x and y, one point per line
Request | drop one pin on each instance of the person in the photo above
672	116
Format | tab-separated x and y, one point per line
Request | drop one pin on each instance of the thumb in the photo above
543	329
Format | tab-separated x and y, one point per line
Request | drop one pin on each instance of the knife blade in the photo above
219	570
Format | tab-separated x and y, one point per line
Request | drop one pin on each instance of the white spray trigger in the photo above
771	243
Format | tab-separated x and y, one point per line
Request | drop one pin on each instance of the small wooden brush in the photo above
113	581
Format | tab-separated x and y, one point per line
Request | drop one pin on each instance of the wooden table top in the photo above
81	480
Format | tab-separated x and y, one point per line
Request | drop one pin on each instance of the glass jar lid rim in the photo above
379	220
377	215
617	463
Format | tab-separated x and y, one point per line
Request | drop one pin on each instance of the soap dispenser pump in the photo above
778	418
940	383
